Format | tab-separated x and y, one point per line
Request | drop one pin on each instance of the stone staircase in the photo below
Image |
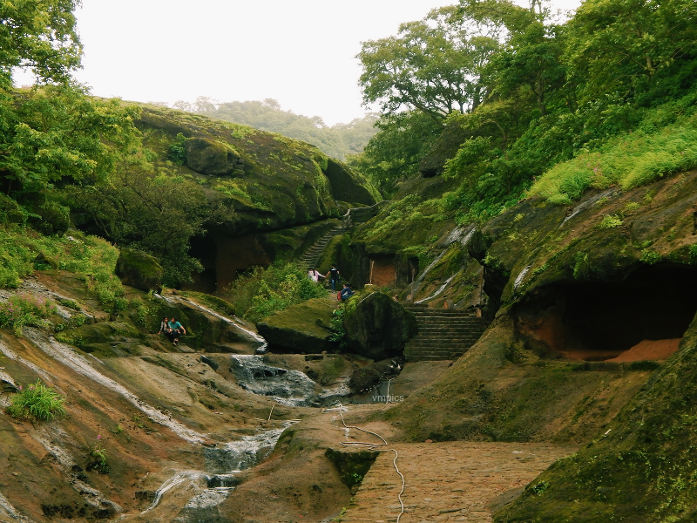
444	334
309	259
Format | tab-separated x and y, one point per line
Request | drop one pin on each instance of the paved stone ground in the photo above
450	481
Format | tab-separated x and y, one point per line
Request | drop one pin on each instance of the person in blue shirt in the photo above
346	292
176	329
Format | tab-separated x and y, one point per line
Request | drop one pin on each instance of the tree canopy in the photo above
39	35
434	65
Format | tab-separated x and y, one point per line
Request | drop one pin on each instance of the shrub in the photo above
99	460
37	402
24	309
259	292
177	150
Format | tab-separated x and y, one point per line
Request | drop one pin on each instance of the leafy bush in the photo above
259	292
24	309
37	402
177	151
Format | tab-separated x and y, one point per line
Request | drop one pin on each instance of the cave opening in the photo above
643	316
205	250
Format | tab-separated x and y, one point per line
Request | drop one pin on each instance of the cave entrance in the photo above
382	271
204	249
642	317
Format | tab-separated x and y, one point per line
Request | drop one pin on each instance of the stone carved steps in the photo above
309	259
444	334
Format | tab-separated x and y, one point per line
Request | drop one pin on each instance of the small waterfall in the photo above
519	279
462	235
222	464
288	387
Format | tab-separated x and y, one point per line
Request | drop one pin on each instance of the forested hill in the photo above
337	141
493	95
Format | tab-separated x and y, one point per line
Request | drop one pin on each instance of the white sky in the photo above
301	52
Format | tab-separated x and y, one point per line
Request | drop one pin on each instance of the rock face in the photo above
213	158
270	181
138	269
258	182
300	328
378	327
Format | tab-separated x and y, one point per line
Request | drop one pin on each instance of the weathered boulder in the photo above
300	328
349	186
378	327
212	157
138	269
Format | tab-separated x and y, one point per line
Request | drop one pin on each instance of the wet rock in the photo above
8	384
364	379
212	364
290	387
378	327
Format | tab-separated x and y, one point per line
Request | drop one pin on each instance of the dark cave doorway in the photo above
640	317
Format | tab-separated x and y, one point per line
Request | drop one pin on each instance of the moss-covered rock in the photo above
300	328
138	269
349	186
213	158
269	181
377	327
639	468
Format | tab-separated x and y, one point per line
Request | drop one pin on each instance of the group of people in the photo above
172	329
334	278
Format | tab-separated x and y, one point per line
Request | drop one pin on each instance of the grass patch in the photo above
628	161
37	403
92	259
25	309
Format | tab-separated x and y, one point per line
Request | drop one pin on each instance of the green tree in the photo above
396	151
41	36
158	214
433	65
640	49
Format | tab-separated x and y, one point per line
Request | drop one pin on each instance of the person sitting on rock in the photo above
164	327
346	292
176	330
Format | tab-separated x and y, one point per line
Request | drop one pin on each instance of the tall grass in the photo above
37	402
628	161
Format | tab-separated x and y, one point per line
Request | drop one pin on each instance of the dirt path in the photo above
451	481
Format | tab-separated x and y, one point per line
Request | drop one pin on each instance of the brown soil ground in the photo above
450	481
649	350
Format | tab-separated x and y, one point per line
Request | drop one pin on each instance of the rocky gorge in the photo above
587	311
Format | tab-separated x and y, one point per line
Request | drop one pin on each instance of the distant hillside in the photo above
337	141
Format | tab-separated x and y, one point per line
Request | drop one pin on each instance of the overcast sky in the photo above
301	52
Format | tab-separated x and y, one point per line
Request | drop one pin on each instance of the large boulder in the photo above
138	269
211	157
349	186
300	328
378	327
